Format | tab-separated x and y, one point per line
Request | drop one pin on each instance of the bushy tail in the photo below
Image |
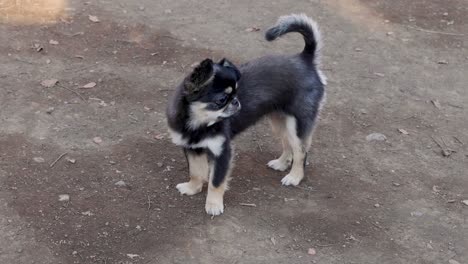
302	24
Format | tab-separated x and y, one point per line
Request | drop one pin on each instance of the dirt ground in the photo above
395	67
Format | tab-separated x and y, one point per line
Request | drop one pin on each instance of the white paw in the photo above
188	188
278	164
214	208
291	179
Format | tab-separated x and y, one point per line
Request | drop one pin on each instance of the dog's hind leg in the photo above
198	169
299	150
278	124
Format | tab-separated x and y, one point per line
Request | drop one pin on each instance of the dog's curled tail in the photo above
302	24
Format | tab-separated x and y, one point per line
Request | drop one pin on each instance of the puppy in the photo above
217	101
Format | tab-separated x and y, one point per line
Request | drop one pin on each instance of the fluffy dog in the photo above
217	101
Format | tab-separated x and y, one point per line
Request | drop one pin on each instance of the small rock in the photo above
146	108
396	184
379	74
94	19
160	164
97	140
75	252
358	49
159	136
20	250
167	11
451	201
112	162
376	137
133	256
87	213
49	83
50	110
442	62
445	14
452	261
72	161
39	159
89	85
142	8
416	213
64	198
429	246
389	33
465	202
47	61
120	184
273	241
404	132
376	205
53	42
311	251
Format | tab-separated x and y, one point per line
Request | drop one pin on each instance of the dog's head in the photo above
210	90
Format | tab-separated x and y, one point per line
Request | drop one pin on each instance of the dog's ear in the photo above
226	63
201	75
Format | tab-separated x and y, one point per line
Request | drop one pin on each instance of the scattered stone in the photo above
133	256
89	85
252	29
168	11
159	136
37	47
465	202
94	19
451	201
49	83
160	164
445	14
389	33
435	189
87	213
112	162
53	42
72	161
50	110
273	241
429	246
311	251
97	140
358	49
376	137
142	8
74	253
396	184
64	198
376	205
379	74
48	61
442	62
39	159
120	184
404	132
416	213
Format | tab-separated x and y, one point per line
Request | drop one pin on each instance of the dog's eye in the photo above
221	101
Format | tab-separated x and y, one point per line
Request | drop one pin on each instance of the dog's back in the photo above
284	83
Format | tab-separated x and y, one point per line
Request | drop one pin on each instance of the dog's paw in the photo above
214	208
291	179
188	188
278	164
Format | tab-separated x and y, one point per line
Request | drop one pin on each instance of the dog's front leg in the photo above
198	169
220	169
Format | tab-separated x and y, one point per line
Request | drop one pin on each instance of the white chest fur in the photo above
214	144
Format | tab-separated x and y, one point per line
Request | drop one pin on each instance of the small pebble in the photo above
120	184
396	184
39	159
64	198
465	202
50	110
376	137
376	205
159	164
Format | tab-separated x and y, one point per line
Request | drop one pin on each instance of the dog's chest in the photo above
213	143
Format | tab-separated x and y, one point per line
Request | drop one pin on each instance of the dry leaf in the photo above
404	132
94	19
159	136
53	42
49	83
89	85
252	29
97	140
132	256
436	103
